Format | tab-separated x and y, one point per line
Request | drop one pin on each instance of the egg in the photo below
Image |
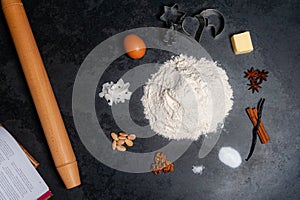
134	46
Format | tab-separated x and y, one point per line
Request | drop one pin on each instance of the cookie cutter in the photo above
193	26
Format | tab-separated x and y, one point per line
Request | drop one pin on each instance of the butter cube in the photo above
241	43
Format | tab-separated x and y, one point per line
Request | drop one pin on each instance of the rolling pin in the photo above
41	92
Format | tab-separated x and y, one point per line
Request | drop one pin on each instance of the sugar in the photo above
198	169
230	157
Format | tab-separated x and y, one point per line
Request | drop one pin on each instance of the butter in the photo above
241	43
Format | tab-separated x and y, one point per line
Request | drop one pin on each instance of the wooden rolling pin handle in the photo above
41	92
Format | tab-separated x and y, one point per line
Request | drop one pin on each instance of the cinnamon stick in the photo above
262	133
253	118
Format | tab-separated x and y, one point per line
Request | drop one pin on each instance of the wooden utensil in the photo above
41	92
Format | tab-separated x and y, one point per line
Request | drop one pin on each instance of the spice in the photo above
161	164
262	133
258	129
256	77
254	86
251	74
255	128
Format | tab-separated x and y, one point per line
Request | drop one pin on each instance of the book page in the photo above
18	178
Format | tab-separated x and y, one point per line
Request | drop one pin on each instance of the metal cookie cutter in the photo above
172	17
193	26
211	18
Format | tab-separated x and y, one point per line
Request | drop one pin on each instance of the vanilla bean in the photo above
255	128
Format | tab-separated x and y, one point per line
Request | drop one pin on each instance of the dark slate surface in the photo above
66	31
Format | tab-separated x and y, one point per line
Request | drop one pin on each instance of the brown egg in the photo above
134	46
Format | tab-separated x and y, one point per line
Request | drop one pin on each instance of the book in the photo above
18	177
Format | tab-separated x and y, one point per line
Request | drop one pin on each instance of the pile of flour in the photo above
180	100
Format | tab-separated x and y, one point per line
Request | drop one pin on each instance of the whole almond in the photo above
129	143
114	145
120	142
122	138
121	148
123	134
131	137
114	136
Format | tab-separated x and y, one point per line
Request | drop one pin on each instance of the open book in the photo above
18	178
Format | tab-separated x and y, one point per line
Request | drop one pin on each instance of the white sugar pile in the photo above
180	100
198	169
230	157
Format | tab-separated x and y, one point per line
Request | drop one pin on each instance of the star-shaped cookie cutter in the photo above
172	17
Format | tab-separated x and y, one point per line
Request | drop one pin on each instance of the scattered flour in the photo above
115	92
230	157
179	99
198	169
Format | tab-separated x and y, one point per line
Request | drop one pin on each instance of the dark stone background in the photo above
66	31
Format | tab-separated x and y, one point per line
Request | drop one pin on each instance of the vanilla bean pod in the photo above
255	128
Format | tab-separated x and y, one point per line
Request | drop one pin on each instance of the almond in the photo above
131	137
121	148
123	134
114	136
120	142
122	138
114	145
129	143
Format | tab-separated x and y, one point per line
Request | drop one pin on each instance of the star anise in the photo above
256	77
262	76
251	74
254	86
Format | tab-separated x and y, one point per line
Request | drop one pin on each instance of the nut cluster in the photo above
161	164
120	140
256	77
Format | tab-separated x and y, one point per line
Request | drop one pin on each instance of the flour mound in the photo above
180	99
